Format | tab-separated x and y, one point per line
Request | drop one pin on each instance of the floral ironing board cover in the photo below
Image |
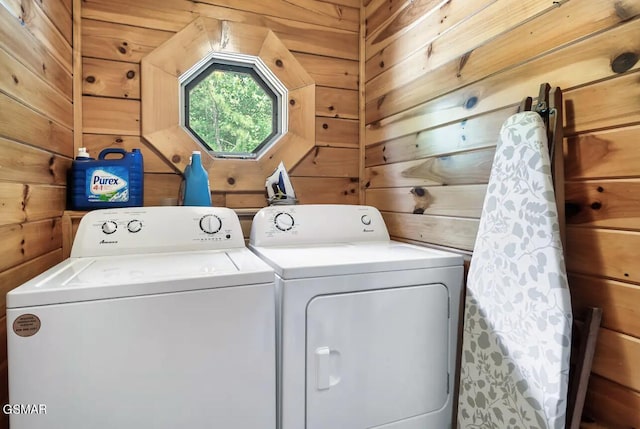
517	323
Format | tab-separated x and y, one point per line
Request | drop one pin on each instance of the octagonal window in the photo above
233	105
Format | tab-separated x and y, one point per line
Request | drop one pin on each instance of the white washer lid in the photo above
352	258
84	279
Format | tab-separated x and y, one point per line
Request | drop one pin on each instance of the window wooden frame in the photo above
162	68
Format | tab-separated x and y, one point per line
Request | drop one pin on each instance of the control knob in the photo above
109	227
210	224
134	226
283	221
366	219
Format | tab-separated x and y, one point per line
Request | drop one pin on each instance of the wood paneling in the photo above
331	72
21	203
337	132
162	109
153	163
441	77
34	19
173	15
59	13
170	17
536	37
158	188
459	233
330	190
242	200
618	300
20	243
588	60
113	41
389	17
325	14
323	37
311	11
474	133
33	55
110	116
110	78
396	41
350	3
77	72
33	128
328	162
605	252
336	103
616	100
458	169
36	144
20	162
616	358
612	403
604	203
19	82
461	201
604	154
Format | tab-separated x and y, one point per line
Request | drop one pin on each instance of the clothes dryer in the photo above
161	318
367	327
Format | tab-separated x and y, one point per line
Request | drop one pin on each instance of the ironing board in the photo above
517	323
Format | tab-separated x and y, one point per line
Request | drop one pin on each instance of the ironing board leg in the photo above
585	345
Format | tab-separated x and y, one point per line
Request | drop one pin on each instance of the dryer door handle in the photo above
322	368
326	368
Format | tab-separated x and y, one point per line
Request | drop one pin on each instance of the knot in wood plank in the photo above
624	62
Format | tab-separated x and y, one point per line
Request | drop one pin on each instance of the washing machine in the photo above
161	318
367	327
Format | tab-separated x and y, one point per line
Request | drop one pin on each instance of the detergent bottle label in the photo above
107	184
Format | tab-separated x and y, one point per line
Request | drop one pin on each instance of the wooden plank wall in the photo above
36	144
322	34
38	116
441	77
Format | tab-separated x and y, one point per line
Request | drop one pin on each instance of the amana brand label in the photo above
107	184
26	325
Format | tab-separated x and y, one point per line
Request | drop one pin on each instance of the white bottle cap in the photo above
82	152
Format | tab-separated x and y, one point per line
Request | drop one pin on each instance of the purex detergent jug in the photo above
106	182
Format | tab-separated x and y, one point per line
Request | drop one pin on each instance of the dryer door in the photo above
377	357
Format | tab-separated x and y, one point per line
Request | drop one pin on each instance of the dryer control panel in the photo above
138	230
317	224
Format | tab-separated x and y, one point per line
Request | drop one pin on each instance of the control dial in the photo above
210	224
366	219
134	226
283	221
109	227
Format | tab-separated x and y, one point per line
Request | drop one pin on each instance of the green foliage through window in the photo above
230	112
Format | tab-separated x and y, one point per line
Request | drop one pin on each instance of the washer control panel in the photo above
134	225
284	221
156	229
316	224
109	227
210	223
